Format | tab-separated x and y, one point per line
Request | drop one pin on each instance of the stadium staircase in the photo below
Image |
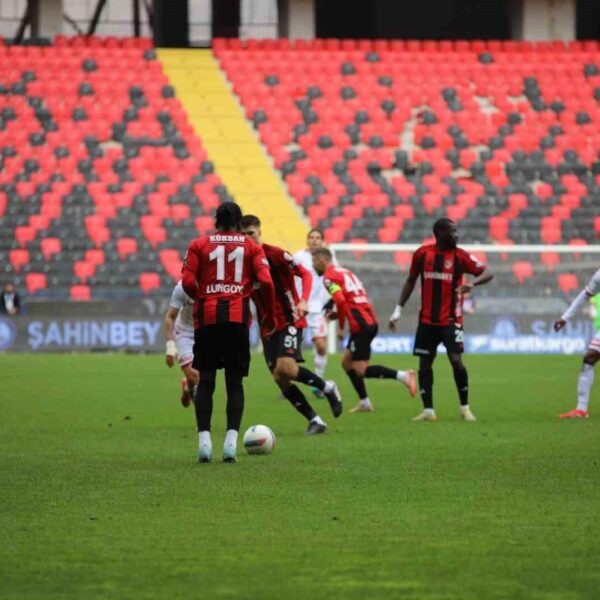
232	145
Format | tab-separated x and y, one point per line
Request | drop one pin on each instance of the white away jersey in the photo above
185	305
318	295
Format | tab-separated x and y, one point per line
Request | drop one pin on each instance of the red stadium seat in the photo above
80	292
550	259
83	270
35	282
522	270
149	282
50	247
18	258
125	247
567	282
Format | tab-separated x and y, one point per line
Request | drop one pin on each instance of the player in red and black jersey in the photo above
441	267
352	305
219	272
282	349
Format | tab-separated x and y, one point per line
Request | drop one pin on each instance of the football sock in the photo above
191	388
426	387
204	401
231	437
380	372
320	364
461	377
309	378
235	400
358	383
204	438
299	402
318	421
584	385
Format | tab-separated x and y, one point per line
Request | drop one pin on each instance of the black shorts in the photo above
285	343
224	345
359	343
429	337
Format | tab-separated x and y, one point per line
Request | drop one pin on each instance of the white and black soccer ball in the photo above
259	439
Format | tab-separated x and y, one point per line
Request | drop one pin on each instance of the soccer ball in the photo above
259	439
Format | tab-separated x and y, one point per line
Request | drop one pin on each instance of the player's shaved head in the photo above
249	221
444	230
228	217
441	226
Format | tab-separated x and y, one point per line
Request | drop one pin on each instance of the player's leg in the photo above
204	406
318	330
453	338
184	341
407	377
285	373
234	347
204	362
355	369
427	339
461	379
584	382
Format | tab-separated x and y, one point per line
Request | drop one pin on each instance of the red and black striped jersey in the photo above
224	266
441	273
284	268
350	298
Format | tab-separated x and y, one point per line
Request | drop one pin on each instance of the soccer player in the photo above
586	375
315	318
282	349
441	267
218	272
179	333
352	305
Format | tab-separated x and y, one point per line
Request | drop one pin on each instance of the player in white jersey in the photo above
317	325
586	376
179	333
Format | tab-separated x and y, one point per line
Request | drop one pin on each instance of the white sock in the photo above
231	437
320	364
584	385
429	411
328	387
365	402
204	439
401	375
318	420
464	407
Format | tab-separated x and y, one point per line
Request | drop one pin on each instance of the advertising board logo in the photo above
8	333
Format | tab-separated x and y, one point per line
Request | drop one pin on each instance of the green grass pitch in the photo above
101	495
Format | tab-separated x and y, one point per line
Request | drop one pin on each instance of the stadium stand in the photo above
377	138
103	181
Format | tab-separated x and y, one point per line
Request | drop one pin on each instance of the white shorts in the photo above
595	342
184	340
317	325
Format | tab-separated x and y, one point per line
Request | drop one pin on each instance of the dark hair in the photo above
315	230
441	226
249	221
324	252
228	217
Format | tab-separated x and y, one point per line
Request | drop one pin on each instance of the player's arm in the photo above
337	295
307	282
485	277
583	297
407	289
262	272
190	270
171	349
